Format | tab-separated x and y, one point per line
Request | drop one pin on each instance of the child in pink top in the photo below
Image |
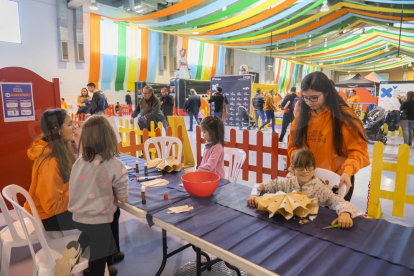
213	158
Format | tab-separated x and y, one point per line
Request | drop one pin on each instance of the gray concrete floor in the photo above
142	244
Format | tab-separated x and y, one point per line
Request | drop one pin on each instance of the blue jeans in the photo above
257	114
270	114
218	114
191	114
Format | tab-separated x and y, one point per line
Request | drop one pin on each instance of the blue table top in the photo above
371	247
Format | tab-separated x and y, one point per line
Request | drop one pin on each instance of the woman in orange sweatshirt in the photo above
53	160
269	109
329	128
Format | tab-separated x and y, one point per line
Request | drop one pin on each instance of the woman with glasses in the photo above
329	128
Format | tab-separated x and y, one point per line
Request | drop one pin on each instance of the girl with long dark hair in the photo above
329	128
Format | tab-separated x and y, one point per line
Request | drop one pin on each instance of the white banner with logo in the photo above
388	92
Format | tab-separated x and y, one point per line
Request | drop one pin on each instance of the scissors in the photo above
331	226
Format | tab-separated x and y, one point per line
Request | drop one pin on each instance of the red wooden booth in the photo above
16	137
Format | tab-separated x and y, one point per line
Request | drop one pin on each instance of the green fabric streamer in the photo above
200	61
314	5
121	59
209	19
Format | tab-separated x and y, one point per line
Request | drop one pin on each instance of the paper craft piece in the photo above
181	185
155	183
129	168
167	164
296	203
180	209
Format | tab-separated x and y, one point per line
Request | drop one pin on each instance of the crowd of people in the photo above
325	133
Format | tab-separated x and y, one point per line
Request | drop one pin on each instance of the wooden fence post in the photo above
245	147
259	156
401	180
374	207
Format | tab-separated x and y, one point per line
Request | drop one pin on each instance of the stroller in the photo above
374	125
245	119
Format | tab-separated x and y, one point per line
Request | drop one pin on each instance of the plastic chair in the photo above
331	179
45	259
236	160
163	146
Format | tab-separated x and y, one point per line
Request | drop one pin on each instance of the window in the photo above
9	22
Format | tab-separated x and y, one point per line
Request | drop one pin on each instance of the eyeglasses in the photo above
308	168
311	98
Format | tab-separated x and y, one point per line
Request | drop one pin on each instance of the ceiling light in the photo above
93	5
293	57
320	63
363	32
270	66
386	48
410	64
325	7
349	71
224	8
196	33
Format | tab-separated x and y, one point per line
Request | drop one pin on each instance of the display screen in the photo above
9	21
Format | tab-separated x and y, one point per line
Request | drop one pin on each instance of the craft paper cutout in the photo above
295	203
180	209
167	164
155	183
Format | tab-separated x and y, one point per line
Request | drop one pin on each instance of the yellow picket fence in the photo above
125	127
402	169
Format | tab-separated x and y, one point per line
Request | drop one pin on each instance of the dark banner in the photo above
238	91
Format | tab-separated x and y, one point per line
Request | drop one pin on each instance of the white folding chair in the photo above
163	146
236	161
44	260
331	179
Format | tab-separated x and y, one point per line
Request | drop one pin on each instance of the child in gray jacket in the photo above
98	180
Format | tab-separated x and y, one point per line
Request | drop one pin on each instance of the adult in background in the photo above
193	107
148	107
167	102
98	102
258	104
218	98
84	102
407	118
269	109
288	104
329	128
128	99
354	98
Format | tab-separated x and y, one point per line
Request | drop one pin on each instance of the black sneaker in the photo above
190	130
118	257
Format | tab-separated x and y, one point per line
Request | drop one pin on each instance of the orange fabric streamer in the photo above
215	57
181	6
278	71
95	49
185	45
144	55
252	20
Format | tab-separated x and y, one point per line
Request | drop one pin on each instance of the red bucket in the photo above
200	184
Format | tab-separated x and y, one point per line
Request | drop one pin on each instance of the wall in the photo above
396	74
255	62
39	48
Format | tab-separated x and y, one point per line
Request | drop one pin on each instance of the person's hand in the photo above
251	201
344	220
131	120
398	97
345	179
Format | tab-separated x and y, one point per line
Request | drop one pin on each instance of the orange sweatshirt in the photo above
320	135
354	99
50	195
269	102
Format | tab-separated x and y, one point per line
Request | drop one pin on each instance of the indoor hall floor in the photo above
142	244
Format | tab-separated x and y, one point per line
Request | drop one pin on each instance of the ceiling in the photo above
337	35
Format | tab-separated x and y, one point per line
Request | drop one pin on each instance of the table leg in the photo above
198	251
164	253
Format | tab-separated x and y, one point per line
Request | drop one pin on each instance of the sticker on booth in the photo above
17	101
